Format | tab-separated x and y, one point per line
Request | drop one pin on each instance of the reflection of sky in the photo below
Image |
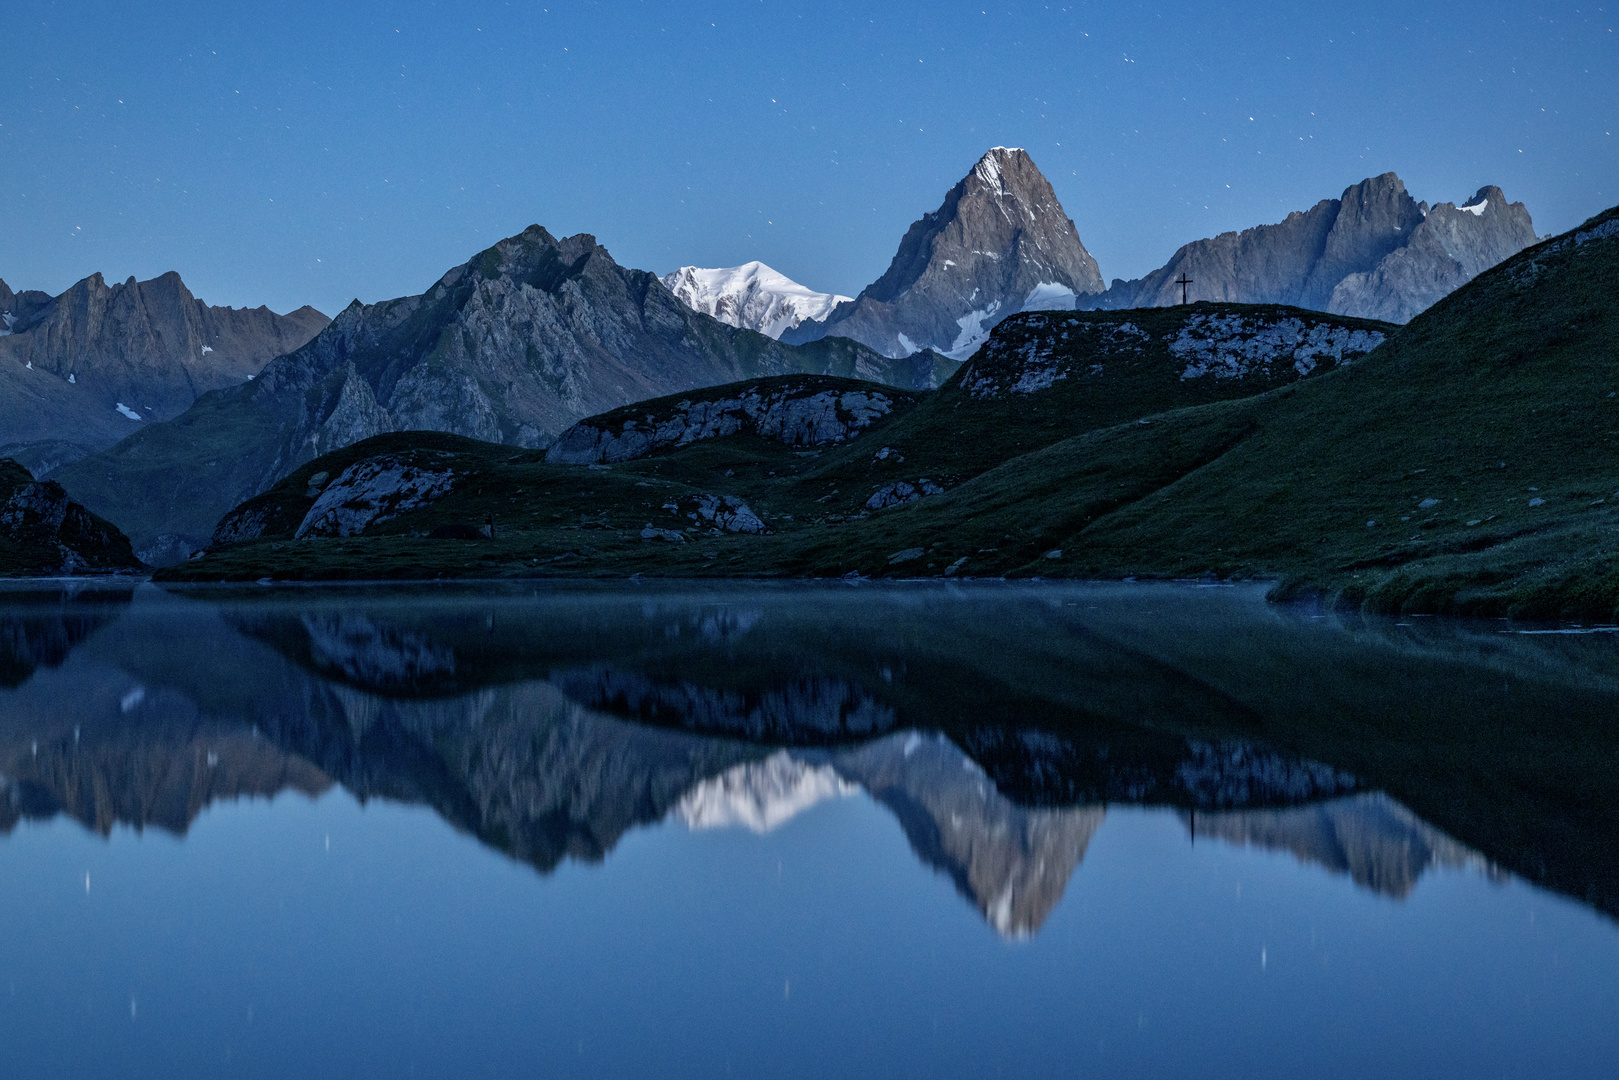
254	947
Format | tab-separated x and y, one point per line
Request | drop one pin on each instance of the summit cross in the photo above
1183	282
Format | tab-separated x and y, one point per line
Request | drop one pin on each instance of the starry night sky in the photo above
311	153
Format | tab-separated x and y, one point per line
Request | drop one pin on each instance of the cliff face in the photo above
999	244
84	369
1374	252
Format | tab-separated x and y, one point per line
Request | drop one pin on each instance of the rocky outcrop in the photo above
43	531
1374	252
1000	243
797	411
726	513
902	491
715	513
1209	342
751	296
82	370
512	347
369	491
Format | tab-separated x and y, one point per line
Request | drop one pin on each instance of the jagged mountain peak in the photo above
1373	252
999	243
84	369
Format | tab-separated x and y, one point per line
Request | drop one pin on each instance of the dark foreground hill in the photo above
43	532
511	347
1469	464
803	454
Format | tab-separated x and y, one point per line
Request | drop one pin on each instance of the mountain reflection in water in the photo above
996	724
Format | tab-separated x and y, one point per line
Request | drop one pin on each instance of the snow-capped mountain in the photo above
751	296
1001	243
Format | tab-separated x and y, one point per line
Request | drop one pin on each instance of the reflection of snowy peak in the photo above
751	296
760	795
1001	243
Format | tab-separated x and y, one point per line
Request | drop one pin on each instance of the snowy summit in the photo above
751	296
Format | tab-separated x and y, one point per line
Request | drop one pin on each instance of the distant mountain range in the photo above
82	370
1374	252
538	332
1001	243
751	296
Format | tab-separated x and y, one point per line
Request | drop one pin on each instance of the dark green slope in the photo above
1043	378
1469	464
1046	376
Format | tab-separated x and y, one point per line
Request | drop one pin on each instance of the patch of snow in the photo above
72	378
1476	209
908	345
29	365
760	795
973	331
1049	296
125	410
206	349
751	296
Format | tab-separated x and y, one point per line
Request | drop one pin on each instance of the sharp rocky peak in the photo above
1000	243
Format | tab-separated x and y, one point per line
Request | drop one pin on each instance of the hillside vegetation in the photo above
1469	464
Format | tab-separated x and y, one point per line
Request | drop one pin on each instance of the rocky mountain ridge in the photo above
82	370
1000	243
1373	252
511	347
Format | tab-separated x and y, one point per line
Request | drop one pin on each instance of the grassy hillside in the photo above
1469	464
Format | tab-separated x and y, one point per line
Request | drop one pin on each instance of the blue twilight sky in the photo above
314	152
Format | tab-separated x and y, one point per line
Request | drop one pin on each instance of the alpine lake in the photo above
799	830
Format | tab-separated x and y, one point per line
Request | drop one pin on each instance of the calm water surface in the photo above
799	832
